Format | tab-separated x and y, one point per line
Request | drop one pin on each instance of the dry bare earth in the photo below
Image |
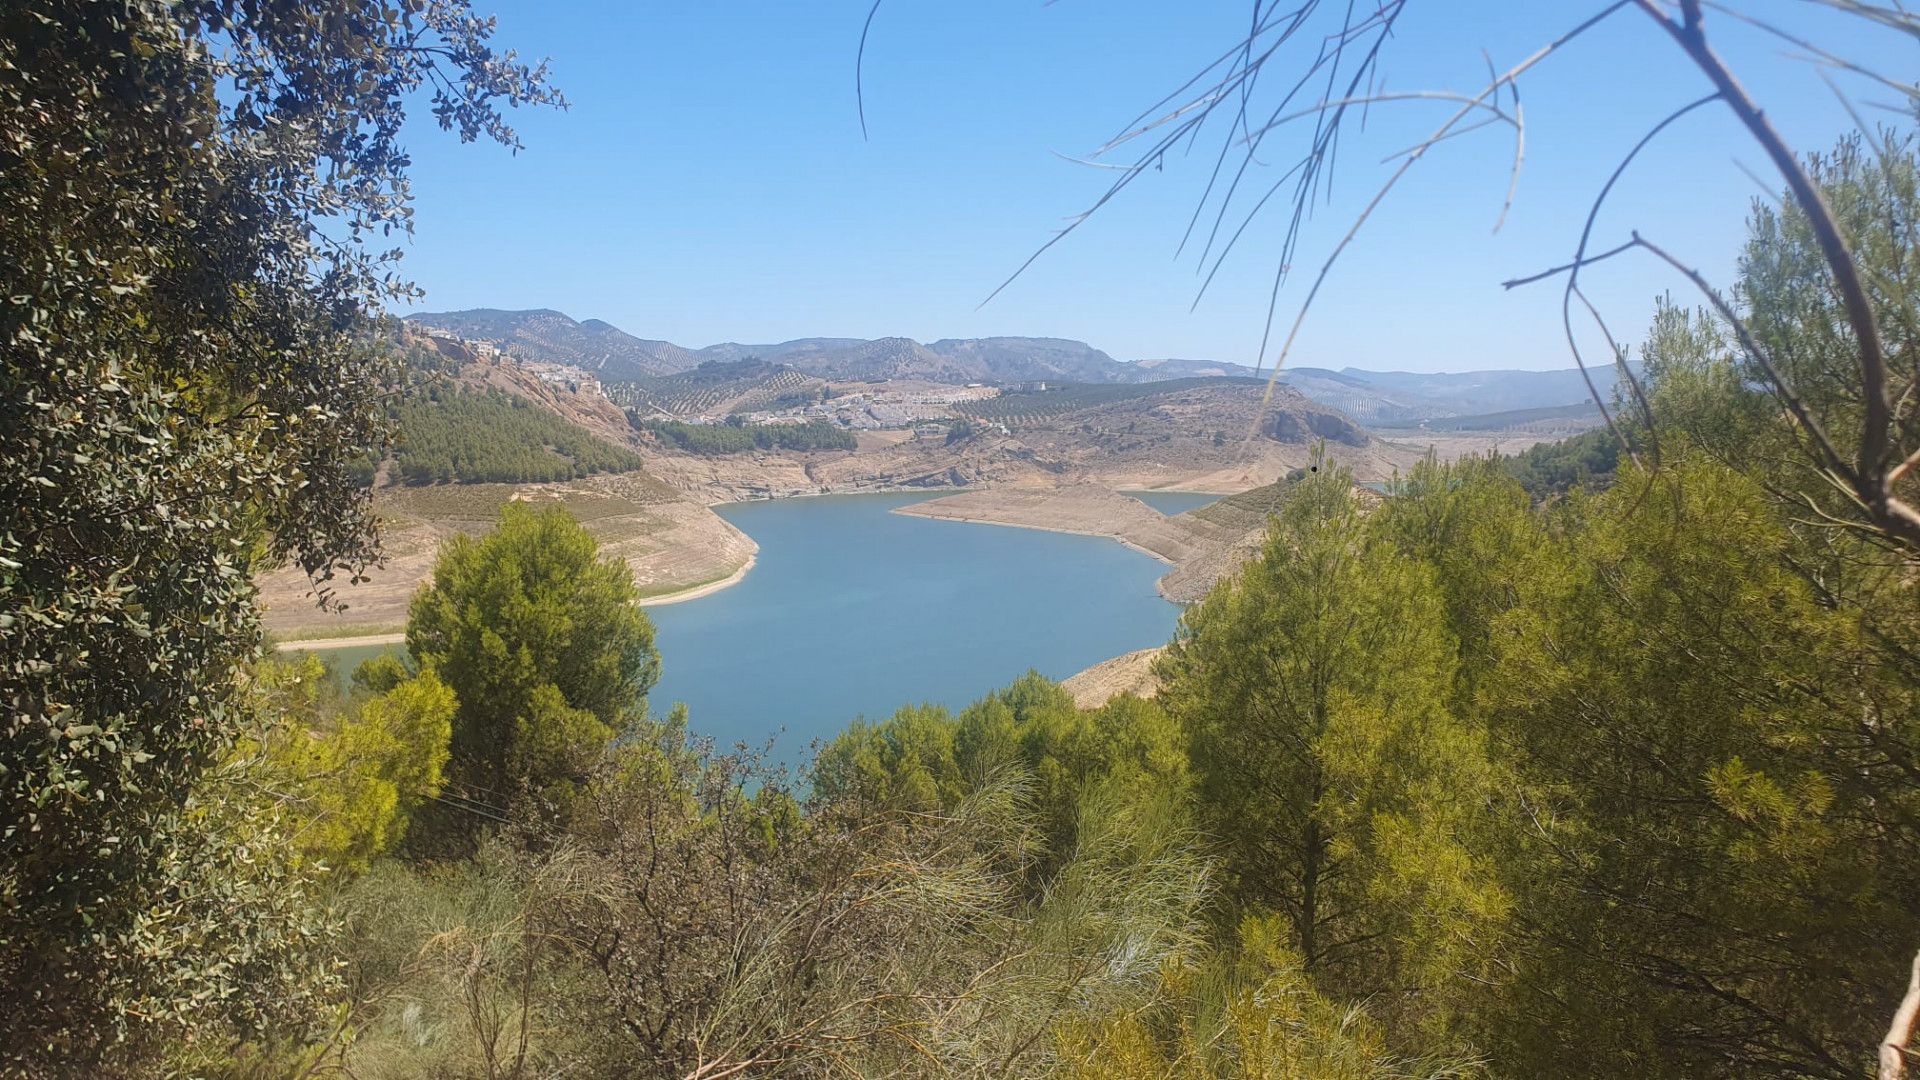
1217	437
1041	470
1202	545
884	461
1131	673
1213	433
669	541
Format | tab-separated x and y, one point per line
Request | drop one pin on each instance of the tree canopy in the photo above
196	201
454	434
738	438
545	648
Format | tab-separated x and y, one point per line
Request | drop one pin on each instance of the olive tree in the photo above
197	201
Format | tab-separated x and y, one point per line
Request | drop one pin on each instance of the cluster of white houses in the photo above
925	407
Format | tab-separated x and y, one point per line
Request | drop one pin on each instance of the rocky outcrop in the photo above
1301	425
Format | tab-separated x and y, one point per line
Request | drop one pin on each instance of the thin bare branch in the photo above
1814	52
1893	1048
1831	457
1519	157
1626	373
859	69
1513	73
1472	102
1572	288
1554	271
1691	38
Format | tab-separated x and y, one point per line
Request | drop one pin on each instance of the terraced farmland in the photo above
1018	407
718	389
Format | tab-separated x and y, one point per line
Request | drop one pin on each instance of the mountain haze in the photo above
1377	397
1371	397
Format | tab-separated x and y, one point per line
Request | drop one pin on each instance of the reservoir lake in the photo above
851	610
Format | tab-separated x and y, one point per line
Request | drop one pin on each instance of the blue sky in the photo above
710	182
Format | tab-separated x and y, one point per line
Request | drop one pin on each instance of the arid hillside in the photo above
1210	434
1201	546
672	544
1040	455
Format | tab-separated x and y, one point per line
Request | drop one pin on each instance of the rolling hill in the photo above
1216	409
554	338
1397	397
718	388
1371	397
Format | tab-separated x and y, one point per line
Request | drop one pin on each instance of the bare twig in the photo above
1326	268
1893	1048
1871	464
1814	52
1619	352
1514	283
859	68
1573	284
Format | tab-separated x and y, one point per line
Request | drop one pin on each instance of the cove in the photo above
854	611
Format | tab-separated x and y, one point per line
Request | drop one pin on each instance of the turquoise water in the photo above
341	662
853	610
1173	502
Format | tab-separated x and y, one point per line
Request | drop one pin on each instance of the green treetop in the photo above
545	647
1339	786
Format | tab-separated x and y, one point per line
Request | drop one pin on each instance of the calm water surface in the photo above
853	610
342	661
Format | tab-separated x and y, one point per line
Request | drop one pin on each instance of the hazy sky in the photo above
710	182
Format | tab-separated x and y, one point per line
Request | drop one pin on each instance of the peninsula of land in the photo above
1201	546
639	440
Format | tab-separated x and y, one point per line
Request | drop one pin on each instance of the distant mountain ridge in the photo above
1371	397
552	337
1389	397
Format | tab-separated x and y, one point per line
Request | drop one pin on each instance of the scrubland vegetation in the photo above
1614	782
1021	406
1464	784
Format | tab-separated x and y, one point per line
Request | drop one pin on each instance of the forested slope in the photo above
458	435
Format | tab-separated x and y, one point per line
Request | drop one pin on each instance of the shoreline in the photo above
349	641
1121	540
897	489
1128	673
697	591
343	642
